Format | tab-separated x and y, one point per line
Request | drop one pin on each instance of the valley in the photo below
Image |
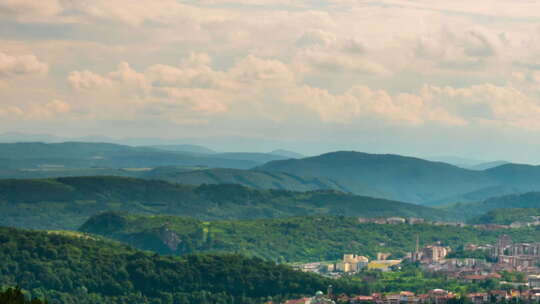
148	209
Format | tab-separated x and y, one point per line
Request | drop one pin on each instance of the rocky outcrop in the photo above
169	238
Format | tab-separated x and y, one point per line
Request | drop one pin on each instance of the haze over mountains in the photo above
186	199
411	179
105	155
206	145
387	176
202	151
468	163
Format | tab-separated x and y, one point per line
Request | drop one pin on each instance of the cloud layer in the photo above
331	65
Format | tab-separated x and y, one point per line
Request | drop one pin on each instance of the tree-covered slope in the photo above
16	296
411	179
82	269
189	175
516	175
312	238
475	209
507	216
65	203
390	176
249	178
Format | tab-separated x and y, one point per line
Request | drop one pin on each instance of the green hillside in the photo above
16	296
389	176
249	178
311	238
189	175
411	179
80	269
507	216
65	203
499	203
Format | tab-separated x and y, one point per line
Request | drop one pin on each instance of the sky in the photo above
415	77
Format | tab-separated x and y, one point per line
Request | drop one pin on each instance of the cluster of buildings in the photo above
393	220
429	254
438	296
319	298
535	221
523	257
505	255
396	220
350	264
435	296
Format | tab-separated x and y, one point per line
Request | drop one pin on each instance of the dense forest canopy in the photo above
312	238
77	268
16	296
65	203
515	201
508	216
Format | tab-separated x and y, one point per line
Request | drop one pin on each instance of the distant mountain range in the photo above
287	153
391	177
488	165
467	163
104	155
184	148
411	179
197	145
273	155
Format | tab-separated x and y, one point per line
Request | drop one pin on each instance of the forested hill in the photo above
411	179
191	175
392	177
65	203
312	238
16	296
507	216
71	268
250	178
471	210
